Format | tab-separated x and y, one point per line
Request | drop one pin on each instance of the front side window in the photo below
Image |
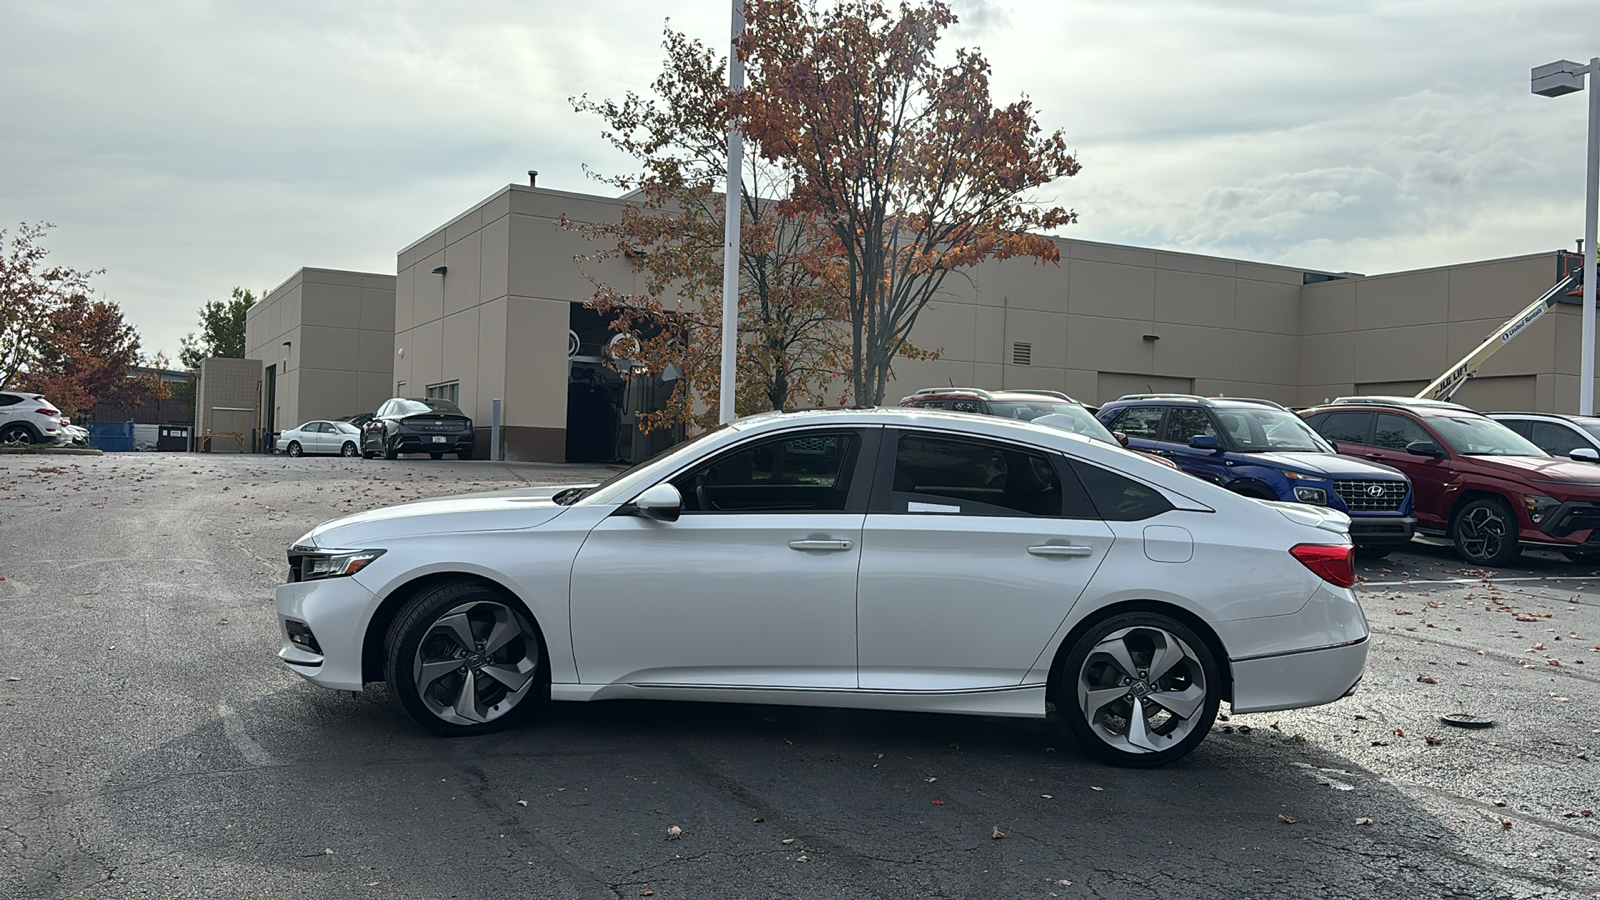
942	475
1392	432
1187	422
1139	422
809	473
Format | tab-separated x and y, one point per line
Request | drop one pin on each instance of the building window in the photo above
1021	354
449	390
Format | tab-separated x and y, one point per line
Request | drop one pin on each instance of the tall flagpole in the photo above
730	237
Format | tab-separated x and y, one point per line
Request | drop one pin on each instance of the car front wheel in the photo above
1139	689
294	448
1485	532
390	451
464	660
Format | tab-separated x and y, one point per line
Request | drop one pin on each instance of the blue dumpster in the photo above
111	436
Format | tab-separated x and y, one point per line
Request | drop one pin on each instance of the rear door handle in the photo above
1060	550
820	545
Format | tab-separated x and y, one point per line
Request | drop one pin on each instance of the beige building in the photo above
490	306
326	338
227	405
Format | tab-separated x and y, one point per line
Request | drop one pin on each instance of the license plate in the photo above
438	439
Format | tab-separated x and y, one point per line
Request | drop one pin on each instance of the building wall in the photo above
340	328
226	401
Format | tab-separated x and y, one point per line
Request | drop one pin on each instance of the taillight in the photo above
1334	563
47	411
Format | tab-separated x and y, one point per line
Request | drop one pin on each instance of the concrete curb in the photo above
51	451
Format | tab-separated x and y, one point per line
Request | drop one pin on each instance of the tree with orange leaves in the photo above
905	161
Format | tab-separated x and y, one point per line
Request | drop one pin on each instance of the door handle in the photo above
1061	550
820	545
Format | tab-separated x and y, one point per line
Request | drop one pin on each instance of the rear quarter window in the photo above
1119	498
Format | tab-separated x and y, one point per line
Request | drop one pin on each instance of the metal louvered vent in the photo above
1021	354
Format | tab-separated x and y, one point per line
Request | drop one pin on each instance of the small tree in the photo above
221	330
791	340
30	292
85	354
903	159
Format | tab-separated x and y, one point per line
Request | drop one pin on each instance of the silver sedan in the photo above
321	436
895	559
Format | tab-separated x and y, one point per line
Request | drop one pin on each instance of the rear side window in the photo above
1555	439
9	399
1139	421
1393	432
1117	497
1350	427
1184	423
937	474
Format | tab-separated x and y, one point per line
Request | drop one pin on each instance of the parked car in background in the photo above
1260	449
886	559
1052	408
1485	487
73	435
359	419
1573	437
27	418
320	436
421	425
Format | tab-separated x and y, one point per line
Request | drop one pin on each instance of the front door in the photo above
1185	423
754	585
1430	476
975	551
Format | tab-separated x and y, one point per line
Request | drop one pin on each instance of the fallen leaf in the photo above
1498	802
1094	788
1287	820
1047	796
1400	732
995	833
674	832
647	893
759	819
930	779
938	801
788	841
1402	612
1380	743
1432	741
522	803
1505	824
1363	821
1426	679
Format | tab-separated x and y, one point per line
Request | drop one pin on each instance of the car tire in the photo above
465	641
1119	715
349	449
16	434
463	454
439	455
390	452
1484	532
294	448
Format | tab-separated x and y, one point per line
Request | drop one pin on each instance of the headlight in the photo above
1311	495
308	564
1539	506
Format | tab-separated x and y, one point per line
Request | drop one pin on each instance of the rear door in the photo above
973	553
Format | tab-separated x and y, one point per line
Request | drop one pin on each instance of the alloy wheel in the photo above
475	663
1481	533
1142	689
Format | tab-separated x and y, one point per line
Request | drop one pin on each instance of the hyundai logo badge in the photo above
1375	490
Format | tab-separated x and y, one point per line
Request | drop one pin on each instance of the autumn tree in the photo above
30	291
86	353
903	158
792	341
221	330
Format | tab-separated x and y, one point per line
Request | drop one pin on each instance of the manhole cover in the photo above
1466	720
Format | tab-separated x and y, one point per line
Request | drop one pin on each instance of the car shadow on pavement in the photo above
342	794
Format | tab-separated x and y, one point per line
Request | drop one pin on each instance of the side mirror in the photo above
1585	454
1424	448
661	502
1121	437
1205	442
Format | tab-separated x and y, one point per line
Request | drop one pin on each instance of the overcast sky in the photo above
187	146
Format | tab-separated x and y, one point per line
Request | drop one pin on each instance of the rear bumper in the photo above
1299	679
1372	531
459	442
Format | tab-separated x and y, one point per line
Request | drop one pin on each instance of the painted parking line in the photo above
1409	581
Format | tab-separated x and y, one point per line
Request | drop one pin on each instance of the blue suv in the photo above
1259	449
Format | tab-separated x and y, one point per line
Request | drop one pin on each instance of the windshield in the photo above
1479	436
1267	430
1592	426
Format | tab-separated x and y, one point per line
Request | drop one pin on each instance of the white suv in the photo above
28	419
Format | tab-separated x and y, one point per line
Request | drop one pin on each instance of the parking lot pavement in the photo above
152	746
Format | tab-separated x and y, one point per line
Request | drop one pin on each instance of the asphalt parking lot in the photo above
152	746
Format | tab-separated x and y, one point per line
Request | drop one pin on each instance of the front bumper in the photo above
1575	522
336	610
1373	531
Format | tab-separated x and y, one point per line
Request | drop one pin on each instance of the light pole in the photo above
730	234
1552	80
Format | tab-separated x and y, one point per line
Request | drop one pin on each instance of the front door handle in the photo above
820	545
1061	550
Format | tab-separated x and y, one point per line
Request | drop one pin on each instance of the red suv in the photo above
1486	488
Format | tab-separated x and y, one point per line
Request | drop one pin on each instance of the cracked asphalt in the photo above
152	746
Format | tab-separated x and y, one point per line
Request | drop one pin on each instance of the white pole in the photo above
1591	206
730	235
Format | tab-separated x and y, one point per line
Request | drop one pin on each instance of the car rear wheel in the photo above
349	449
294	448
1485	532
1139	689
462	659
16	434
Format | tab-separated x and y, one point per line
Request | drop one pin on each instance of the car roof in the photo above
1424	409
1193	400
1576	420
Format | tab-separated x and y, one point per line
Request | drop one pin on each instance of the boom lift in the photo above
1445	386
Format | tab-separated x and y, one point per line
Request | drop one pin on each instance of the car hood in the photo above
1549	470
487	511
1331	465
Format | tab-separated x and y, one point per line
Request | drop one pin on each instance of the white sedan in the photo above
321	436
894	559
